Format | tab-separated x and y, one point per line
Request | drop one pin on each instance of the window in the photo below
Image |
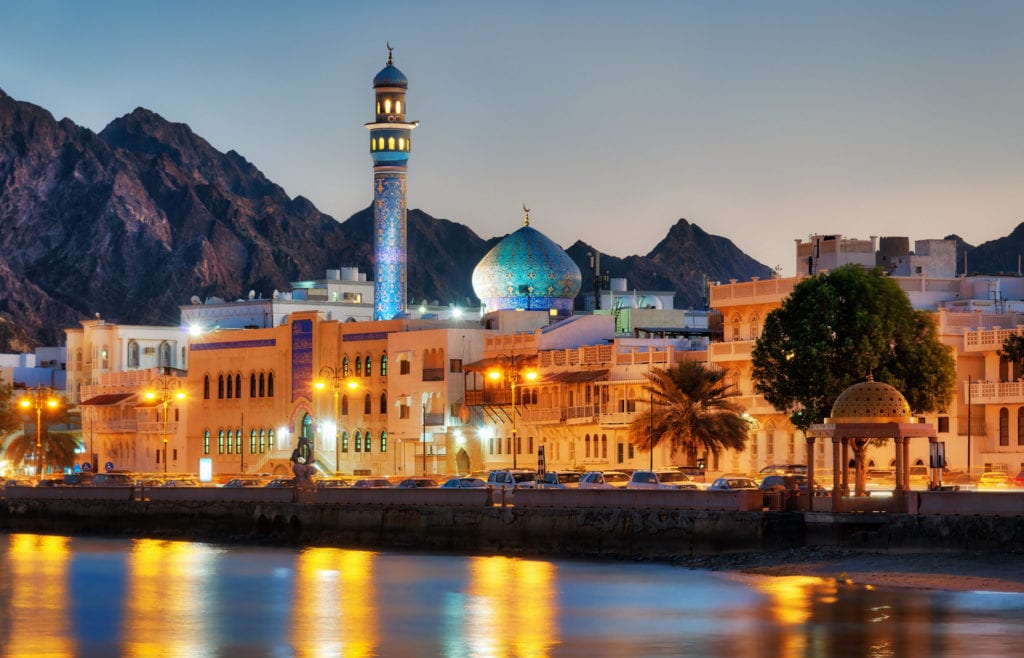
404	367
1004	427
231	444
401	143
367	441
344	367
367	405
133	354
104	358
373	140
206	388
387	106
383	403
344	405
403	411
252	442
252	385
383	365
368	366
619	453
344	441
238	385
455	365
359	441
206	442
165	355
1020	426
529	445
944	423
270	440
270	384
391	143
383	441
378	107
359	367
238	440
586	443
220	442
604	446
398	107
231	388
263	445
262	385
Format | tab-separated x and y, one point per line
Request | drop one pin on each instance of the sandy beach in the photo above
995	572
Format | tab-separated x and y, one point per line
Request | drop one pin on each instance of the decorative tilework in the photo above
527	271
389	225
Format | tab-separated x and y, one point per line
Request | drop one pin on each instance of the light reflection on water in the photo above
64	596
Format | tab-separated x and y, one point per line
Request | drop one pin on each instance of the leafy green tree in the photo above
836	329
10	418
691	410
1013	351
58	448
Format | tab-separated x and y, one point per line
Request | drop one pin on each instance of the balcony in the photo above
735	350
995	392
988	340
433	374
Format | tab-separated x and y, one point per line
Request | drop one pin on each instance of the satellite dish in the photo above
252	294
195	300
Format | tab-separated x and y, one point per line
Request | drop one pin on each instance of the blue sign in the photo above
84	468
109	466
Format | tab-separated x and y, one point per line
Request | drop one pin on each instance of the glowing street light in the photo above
39	398
333	378
164	390
510	370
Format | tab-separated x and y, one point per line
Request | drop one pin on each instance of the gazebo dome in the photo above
527	270
871	402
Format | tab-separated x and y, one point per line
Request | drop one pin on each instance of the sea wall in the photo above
651	526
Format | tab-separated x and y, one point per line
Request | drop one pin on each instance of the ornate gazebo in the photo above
868	410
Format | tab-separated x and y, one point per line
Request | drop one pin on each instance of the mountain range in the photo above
133	221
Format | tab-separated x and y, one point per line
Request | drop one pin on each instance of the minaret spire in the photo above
390	49
526	217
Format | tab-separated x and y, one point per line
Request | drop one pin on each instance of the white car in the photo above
603	480
512	478
733	484
653	480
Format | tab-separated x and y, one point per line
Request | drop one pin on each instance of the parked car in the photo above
113	480
239	483
696	473
994	480
733	484
678	478
560	480
280	483
654	480
792	483
783	469
416	483
508	479
17	482
373	483
464	483
332	483
51	482
180	482
1018	481
604	480
78	479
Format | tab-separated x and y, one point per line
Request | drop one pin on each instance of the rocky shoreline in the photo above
953	571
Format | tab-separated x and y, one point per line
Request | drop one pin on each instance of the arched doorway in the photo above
462	462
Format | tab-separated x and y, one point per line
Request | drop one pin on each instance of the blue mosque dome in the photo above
390	76
527	271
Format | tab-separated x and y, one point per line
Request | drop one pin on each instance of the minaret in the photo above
390	146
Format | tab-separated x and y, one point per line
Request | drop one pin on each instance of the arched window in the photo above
367	441
206	442
105	357
344	441
344	366
367	405
270	384
604	446
736	326
586	443
263	385
378	107
206	387
387	106
359	441
133	354
755	327
252	441
391	143
263	441
220	442
344	405
508	444
1004	426
165	355
368	366
384	365
307	427
380	144
398	107
383	441
231	387
238	440
383	403
231	444
238	385
359	367
401	143
270	440
220	387
252	385
78	359
373	140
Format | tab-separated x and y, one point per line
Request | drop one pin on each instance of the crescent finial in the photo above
389	51
526	219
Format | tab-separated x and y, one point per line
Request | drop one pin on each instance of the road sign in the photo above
109	466
86	467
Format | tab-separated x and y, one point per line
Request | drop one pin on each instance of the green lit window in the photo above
359	441
206	442
383	441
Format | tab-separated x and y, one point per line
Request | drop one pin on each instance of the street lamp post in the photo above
333	377
164	390
509	369
39	398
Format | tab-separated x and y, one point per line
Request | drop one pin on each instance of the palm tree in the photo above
691	410
58	449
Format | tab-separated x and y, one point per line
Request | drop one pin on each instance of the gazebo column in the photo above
846	466
934	474
810	473
837	495
900	466
906	463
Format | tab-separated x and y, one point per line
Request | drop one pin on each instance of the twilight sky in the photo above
762	122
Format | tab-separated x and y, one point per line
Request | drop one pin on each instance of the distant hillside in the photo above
133	221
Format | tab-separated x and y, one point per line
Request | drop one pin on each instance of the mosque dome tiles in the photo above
390	76
527	271
871	402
